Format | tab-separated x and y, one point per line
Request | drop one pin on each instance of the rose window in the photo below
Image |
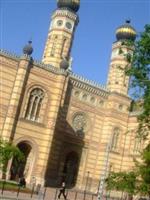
79	122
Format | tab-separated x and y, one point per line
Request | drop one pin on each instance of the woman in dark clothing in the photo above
62	190
22	182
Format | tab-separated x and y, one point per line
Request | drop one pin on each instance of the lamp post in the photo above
88	173
106	164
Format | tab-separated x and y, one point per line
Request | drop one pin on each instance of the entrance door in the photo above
18	168
71	168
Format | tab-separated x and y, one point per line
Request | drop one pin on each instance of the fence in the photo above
36	192
15	191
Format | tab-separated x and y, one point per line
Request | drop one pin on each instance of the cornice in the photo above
88	85
9	55
65	13
76	80
50	68
36	63
120	44
121	95
135	113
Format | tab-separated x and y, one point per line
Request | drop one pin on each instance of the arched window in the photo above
34	104
137	145
115	138
70	170
63	47
53	49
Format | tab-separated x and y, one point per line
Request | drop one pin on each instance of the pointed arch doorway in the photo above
20	169
70	170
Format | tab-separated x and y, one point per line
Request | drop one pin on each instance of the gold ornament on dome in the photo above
126	30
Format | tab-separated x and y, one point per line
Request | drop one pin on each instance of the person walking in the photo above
62	190
22	182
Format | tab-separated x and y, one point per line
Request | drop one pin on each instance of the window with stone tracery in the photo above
137	145
80	123
115	139
34	104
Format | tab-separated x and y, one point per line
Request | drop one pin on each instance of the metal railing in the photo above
37	192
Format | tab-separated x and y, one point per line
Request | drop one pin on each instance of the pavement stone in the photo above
49	195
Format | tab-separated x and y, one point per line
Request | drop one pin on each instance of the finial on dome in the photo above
128	21
126	32
28	49
64	64
71	4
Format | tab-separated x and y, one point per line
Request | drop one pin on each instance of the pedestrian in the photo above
62	190
22	182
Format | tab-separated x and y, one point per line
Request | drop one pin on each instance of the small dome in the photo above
28	49
64	64
72	4
126	32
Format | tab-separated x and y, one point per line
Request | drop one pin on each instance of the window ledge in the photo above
116	151
32	122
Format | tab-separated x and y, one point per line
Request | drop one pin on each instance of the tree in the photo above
138	68
143	172
139	71
133	182
8	151
122	181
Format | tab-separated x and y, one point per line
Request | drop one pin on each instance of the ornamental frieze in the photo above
89	99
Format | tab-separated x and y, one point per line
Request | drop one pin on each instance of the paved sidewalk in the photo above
50	194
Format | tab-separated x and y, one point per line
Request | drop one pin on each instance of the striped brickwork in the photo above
54	135
60	37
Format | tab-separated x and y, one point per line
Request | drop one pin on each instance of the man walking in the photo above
62	190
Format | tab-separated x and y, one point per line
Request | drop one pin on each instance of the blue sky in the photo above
22	20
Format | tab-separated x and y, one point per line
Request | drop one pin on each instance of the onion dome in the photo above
72	4
28	49
126	32
64	64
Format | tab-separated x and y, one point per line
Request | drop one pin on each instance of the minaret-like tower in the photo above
117	80
61	32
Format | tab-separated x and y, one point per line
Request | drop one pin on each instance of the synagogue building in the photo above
67	126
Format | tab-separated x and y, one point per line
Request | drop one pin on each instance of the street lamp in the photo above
88	173
106	164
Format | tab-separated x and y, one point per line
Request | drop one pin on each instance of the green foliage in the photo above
8	151
121	181
12	187
139	70
133	182
143	170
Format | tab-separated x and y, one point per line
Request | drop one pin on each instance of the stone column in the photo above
14	106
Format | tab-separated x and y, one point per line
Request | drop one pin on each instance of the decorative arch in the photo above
115	138
64	42
35	103
70	169
25	168
29	140
53	49
137	145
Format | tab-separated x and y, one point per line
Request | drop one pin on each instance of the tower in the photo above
117	80
61	32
